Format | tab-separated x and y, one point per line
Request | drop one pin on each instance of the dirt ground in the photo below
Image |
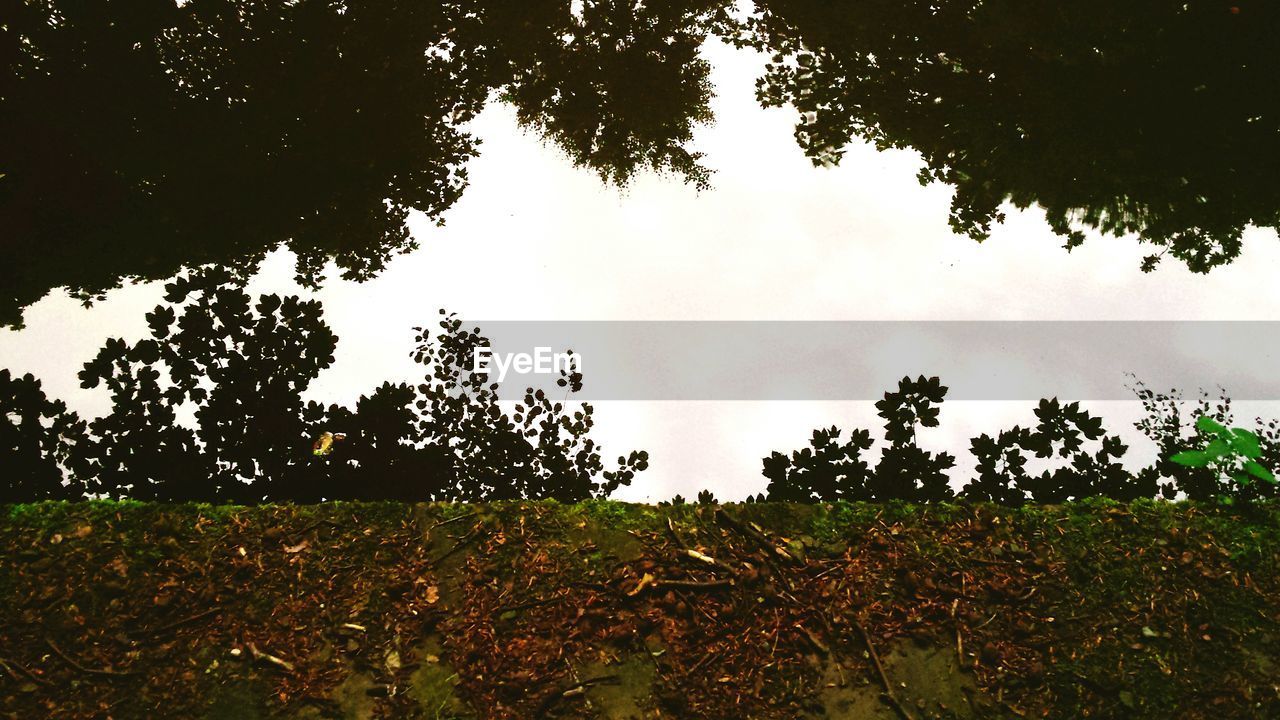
607	610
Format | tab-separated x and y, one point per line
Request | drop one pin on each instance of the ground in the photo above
607	610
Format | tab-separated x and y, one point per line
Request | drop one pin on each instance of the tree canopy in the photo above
1153	118
141	138
210	407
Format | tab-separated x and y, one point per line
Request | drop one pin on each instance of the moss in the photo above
433	686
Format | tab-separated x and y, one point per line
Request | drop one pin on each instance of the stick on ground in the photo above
86	670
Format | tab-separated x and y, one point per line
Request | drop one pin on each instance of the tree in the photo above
828	470
240	369
541	450
906	471
1061	431
832	470
1158	119
40	442
141	138
620	87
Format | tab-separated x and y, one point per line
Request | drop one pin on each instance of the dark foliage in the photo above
142	137
1171	425
241	368
1061	432
1150	118
831	470
834	470
39	439
621	87
139	138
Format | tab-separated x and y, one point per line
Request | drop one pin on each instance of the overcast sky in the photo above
774	239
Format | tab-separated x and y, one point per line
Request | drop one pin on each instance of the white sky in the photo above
775	239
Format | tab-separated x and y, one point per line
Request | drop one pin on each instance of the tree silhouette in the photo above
140	138
831	470
1152	118
905	470
828	471
40	442
836	471
1061	431
1171	424
621	87
241	368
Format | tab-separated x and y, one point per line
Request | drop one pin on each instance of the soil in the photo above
607	610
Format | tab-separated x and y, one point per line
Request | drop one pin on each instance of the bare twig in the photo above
580	687
576	689
813	640
671	530
461	543
9	666
754	533
185	621
692	584
453	519
879	668
86	670
528	605
259	655
311	526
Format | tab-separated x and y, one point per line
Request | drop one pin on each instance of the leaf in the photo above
1260	472
1217	448
1245	443
293	549
1208	425
1191	458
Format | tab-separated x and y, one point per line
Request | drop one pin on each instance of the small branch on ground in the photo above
889	697
185	621
754	532
461	543
454	519
575	690
692	584
9	666
86	670
259	655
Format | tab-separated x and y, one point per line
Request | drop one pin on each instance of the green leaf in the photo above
1260	472
1191	458
1217	448
1208	425
1245	443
